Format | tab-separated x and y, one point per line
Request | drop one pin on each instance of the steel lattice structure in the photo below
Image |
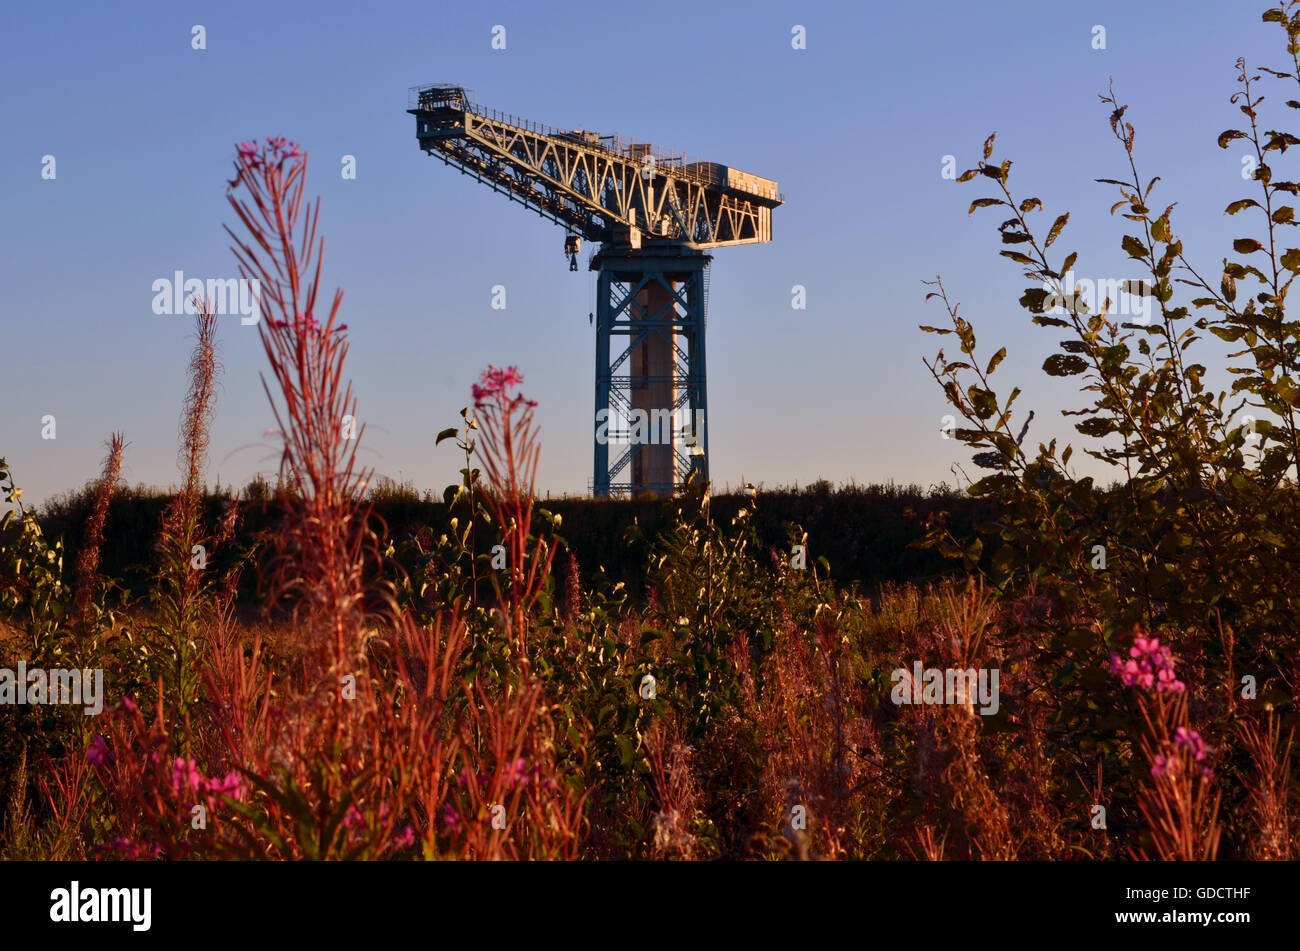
654	216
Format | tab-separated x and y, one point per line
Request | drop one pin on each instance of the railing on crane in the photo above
435	96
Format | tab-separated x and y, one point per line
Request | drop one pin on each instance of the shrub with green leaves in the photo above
1196	537
32	591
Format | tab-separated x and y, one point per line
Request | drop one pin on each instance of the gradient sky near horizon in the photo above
854	127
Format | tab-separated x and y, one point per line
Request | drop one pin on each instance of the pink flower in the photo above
1149	666
1191	741
404	839
230	785
1186	743
186	776
450	817
128	703
494	384
303	324
128	848
276	151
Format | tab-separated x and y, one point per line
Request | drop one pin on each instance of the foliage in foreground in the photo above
487	703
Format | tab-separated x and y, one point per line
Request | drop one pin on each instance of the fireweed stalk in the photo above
373	765
181	594
509	451
322	550
318	743
507	725
88	557
1179	802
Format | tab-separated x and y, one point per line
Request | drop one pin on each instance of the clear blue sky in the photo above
854	127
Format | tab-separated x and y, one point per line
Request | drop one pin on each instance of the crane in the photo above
655	217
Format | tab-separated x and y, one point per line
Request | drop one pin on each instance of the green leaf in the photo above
626	750
1097	426
984	402
1237	206
1160	228
1134	247
446	434
1035	299
1228	286
991	485
967	334
1064	364
1057	227
1291	259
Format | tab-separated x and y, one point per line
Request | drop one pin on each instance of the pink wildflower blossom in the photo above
353	820
186	776
1191	741
404	839
1149	665
494	384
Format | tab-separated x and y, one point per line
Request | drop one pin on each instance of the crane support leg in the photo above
651	407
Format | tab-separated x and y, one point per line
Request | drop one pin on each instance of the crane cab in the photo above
572	247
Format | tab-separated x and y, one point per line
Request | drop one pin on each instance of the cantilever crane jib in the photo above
592	184
655	217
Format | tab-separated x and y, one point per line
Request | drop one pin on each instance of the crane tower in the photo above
655	217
